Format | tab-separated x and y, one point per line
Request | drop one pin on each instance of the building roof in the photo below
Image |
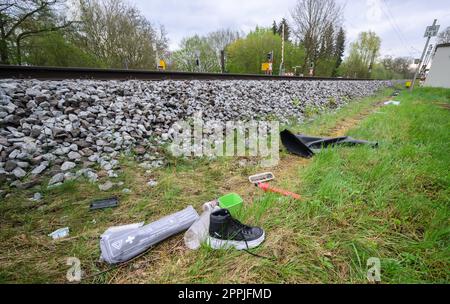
443	45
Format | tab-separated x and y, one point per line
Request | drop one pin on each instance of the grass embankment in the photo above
391	202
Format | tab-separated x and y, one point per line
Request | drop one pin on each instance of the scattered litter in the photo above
227	232
106	186
260	179
126	190
392	102
60	233
123	228
306	146
232	202
152	183
210	205
198	232
36	197
267	188
122	244
106	203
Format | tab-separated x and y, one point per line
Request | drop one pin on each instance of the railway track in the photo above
60	73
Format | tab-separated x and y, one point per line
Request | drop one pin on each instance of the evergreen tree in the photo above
274	27
339	50
326	60
286	29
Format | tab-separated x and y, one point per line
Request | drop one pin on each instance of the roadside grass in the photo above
391	202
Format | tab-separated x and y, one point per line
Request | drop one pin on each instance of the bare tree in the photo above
311	19
20	19
444	36
119	35
219	40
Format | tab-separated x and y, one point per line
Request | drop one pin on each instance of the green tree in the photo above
274	27
54	49
185	59
326	59
21	19
247	54
363	55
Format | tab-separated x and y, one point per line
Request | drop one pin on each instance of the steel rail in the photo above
61	73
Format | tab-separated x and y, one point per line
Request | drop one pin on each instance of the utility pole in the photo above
197	60
282	50
426	61
222	61
155	48
431	31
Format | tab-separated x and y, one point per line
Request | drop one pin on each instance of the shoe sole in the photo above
239	245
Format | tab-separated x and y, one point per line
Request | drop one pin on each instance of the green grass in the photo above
391	202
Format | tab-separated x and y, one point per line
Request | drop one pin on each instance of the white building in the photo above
439	75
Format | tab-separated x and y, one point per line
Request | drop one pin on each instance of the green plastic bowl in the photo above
232	202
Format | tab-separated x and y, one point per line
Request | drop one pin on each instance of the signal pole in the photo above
426	61
431	31
282	50
155	48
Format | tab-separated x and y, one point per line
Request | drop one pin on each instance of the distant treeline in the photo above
115	34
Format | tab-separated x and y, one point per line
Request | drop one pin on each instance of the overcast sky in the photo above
400	23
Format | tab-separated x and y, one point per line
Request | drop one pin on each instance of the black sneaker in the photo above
226	232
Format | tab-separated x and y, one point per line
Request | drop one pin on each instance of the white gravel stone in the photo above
75	120
92	176
74	155
39	169
68	166
58	178
106	186
36	197
152	183
19	172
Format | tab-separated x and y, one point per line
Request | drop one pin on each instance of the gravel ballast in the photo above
71	125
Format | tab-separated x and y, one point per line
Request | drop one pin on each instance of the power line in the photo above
396	28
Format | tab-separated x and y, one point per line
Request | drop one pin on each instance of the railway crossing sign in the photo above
162	65
266	66
432	30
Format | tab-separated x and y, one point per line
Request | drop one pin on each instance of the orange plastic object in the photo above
267	188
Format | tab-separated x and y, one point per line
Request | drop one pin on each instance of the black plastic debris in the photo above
105	203
306	146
